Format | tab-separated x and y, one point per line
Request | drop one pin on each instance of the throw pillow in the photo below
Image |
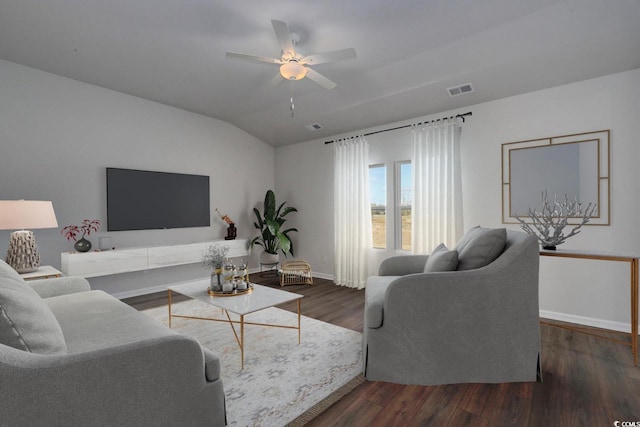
468	236
485	245
441	259
26	322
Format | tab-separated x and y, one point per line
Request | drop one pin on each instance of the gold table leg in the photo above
242	339
298	320
169	297
239	339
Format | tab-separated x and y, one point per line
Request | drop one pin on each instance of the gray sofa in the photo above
477	322
70	356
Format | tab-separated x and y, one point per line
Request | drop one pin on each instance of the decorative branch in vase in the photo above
231	229
548	224
70	232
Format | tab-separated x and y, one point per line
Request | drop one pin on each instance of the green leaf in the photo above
269	205
288	210
285	243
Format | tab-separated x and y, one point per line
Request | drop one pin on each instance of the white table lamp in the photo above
22	253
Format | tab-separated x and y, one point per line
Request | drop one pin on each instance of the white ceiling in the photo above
408	53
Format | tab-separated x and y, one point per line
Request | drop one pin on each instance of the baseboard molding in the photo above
586	321
143	291
323	276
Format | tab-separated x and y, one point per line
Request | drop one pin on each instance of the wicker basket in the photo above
296	273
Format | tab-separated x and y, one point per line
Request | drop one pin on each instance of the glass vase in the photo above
216	284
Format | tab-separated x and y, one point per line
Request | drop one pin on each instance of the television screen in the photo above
145	200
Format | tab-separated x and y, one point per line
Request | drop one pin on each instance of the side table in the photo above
43	272
633	260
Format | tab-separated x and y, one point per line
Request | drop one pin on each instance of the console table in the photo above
105	263
632	259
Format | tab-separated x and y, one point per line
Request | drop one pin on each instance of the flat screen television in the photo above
147	200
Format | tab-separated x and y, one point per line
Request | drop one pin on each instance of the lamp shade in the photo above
26	214
292	70
22	253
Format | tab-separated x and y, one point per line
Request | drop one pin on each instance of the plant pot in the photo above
267	258
82	245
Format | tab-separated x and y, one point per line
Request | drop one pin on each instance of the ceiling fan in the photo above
293	65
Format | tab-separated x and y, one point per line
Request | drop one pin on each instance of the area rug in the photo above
281	380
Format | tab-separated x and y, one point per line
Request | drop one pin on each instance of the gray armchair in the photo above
478	325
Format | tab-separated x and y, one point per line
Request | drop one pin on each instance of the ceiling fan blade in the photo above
320	79
336	55
284	37
252	58
276	81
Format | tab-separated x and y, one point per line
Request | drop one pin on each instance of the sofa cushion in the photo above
375	291
482	247
441	259
26	323
95	320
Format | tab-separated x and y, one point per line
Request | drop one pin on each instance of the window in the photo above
378	195
396	222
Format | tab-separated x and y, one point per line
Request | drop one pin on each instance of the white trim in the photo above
323	276
143	291
587	321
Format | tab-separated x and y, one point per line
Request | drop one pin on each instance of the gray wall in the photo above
589	292
58	135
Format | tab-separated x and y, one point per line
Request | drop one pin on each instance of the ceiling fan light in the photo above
292	70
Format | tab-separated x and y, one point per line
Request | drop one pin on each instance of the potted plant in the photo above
85	228
273	237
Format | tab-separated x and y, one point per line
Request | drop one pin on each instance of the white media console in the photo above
104	263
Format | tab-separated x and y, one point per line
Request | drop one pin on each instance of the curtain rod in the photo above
407	126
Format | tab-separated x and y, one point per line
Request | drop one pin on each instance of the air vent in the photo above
460	90
314	127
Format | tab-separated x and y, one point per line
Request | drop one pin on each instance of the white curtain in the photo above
437	185
352	212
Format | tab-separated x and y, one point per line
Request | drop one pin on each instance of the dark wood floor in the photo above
587	381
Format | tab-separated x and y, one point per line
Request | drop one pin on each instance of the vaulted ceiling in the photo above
408	53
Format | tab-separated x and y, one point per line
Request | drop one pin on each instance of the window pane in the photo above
406	199
378	189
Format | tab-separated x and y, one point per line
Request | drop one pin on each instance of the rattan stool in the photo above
296	273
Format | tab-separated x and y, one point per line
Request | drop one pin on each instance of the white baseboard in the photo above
323	276
143	291
587	321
